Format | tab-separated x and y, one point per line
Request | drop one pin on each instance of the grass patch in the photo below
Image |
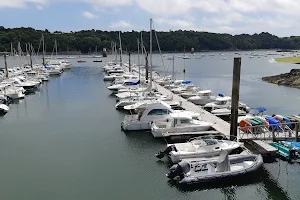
294	60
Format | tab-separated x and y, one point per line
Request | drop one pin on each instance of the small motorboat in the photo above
198	147
97	61
3	109
214	170
178	124
81	61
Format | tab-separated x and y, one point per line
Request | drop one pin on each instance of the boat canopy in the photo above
221	95
261	109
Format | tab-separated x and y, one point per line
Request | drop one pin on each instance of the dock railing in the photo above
272	132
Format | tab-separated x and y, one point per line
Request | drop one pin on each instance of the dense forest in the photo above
86	40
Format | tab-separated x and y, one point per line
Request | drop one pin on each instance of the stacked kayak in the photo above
274	124
283	120
253	124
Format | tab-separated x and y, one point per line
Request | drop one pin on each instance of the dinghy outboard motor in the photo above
293	154
162	154
179	170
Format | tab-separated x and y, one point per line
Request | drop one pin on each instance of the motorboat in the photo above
64	64
184	89
21	83
126	84
164	81
215	169
178	124
4	105
81	61
54	70
203	97
131	93
198	147
176	83
225	113
3	109
223	102
147	113
147	96
112	77
11	91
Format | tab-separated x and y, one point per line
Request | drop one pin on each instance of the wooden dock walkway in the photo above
218	124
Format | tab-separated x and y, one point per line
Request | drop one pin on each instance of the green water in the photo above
65	141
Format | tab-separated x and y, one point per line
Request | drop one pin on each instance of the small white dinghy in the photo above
215	169
198	147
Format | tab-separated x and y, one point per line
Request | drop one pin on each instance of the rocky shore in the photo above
291	79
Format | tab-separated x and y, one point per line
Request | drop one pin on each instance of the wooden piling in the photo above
235	98
5	64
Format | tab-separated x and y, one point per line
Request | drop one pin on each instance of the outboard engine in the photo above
179	170
162	154
293	155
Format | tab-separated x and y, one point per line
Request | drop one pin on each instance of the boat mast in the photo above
120	48
173	73
55	49
138	44
150	53
30	54
142	45
43	40
11	49
184	64
5	65
116	51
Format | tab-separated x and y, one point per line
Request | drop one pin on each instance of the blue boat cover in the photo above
186	82
132	83
221	95
274	124
261	109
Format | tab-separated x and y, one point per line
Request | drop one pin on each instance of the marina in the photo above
59	103
145	111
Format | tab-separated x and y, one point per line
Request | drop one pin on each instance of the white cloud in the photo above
121	25
19	3
39	7
175	23
89	15
108	3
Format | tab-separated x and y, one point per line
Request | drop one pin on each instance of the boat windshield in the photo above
159	112
220	102
205	94
210	141
185	121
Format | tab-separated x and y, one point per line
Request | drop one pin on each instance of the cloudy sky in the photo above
279	17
